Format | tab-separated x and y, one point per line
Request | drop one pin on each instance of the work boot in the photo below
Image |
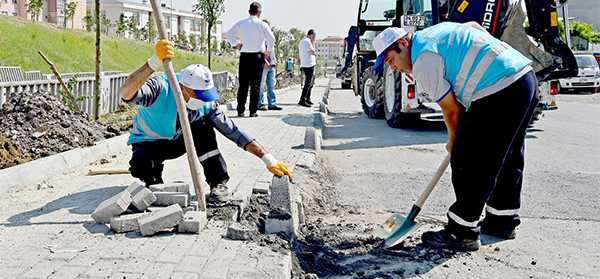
219	193
309	102
304	104
446	240
262	107
498	231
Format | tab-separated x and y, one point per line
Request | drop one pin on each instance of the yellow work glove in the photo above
275	167
162	50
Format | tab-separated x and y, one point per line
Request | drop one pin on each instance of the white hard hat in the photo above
383	41
200	79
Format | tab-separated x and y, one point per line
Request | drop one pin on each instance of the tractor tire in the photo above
371	94
392	100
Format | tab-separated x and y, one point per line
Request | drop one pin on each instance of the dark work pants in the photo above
147	160
309	80
250	71
488	158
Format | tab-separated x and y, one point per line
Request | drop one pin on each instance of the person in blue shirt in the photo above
156	135
487	91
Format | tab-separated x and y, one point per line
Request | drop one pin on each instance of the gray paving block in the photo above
283	216
160	220
170	198
176	186
239	231
193	222
126	223
112	207
312	138
261	187
135	187
142	199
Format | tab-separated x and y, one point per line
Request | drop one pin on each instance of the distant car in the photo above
588	78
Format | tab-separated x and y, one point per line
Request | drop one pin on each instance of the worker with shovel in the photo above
487	91
156	134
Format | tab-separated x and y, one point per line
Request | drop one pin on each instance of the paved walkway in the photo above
46	230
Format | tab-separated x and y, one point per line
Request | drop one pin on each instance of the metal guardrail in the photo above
83	87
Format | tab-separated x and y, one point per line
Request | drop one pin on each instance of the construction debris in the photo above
38	124
126	223
193	222
170	198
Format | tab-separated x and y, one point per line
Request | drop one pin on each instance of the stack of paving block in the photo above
151	210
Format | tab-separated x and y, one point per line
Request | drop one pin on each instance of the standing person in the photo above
488	92
308	60
156	135
254	38
268	81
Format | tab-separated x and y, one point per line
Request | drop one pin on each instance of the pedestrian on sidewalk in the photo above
488	92
254	38
308	60
156	135
268	81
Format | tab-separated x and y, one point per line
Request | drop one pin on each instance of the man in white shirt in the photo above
306	47
254	38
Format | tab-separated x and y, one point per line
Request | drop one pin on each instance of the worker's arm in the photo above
232	35
226	127
269	38
452	110
135	81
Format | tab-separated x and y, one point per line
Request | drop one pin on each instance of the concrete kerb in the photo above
33	172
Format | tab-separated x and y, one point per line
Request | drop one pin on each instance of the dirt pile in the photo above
36	124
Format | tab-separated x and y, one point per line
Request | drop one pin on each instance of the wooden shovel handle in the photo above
434	181
182	112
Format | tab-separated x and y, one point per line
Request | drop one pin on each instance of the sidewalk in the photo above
47	232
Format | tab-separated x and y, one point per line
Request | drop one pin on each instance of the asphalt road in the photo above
383	170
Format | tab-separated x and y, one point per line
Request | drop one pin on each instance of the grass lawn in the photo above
74	51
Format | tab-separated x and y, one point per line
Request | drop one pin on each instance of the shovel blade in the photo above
402	230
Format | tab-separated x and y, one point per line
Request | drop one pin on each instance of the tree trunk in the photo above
209	47
97	76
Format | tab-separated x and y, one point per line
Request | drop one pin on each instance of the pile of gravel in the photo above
40	125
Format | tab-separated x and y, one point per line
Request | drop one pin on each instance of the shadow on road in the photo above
354	131
82	203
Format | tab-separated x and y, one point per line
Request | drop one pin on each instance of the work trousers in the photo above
488	158
309	80
147	160
250	75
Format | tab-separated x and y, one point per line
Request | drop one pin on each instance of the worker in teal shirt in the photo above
156	135
487	91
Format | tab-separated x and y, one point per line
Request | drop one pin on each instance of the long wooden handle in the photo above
181	111
434	181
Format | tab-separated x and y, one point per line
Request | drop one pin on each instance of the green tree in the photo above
70	13
211	11
151	30
105	24
132	27
181	38
281	45
193	41
585	31
226	47
35	8
89	21
121	25
297	36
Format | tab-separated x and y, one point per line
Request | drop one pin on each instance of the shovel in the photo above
399	227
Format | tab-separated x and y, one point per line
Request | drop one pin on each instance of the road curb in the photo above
29	173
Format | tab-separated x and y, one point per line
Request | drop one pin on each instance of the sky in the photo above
327	17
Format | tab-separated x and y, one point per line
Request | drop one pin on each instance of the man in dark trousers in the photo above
487	91
308	60
156	135
254	38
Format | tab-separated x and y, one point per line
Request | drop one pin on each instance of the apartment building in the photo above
330	49
176	21
52	12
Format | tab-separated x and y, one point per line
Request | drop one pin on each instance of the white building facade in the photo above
330	49
176	22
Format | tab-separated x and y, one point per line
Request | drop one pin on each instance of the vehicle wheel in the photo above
393	102
372	94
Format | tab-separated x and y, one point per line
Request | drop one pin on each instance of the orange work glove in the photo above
163	49
276	167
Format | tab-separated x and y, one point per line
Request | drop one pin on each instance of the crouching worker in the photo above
156	135
487	91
